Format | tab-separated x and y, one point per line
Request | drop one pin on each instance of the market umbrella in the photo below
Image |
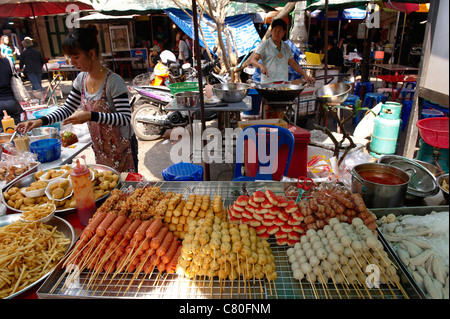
124	7
35	8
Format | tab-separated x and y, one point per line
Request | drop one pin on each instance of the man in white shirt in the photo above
183	47
276	57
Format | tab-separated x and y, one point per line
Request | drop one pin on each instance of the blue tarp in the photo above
346	14
242	28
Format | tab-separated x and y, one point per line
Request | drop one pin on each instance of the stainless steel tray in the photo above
419	211
61	224
173	286
27	180
32	170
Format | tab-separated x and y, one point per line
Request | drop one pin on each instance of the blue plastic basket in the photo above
47	150
41	113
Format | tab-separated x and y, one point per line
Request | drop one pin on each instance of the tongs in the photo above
13	136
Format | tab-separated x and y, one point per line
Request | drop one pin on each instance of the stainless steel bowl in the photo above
231	92
440	180
61	225
333	93
187	99
43	133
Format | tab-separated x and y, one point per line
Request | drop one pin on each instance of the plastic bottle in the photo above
8	123
83	191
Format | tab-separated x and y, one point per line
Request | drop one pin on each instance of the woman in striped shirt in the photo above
100	98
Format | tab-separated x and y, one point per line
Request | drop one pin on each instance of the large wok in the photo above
279	92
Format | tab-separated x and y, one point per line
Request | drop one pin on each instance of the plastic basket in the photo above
41	113
47	150
183	87
434	131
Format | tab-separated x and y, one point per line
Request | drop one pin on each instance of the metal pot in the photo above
231	92
187	99
42	133
376	194
279	92
423	184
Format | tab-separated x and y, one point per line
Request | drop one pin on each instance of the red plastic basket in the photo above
434	131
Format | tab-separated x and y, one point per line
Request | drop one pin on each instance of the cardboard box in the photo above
276	122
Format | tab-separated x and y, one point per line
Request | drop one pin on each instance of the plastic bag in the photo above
320	169
364	128
350	161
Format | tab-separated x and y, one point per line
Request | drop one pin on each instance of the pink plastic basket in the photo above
434	131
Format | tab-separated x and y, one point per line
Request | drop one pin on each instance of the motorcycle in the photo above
149	117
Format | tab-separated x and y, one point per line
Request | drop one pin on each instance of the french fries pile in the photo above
32	214
180	212
27	252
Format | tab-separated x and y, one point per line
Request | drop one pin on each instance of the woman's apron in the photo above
110	147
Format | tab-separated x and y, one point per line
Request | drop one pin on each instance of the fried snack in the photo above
34	213
27	252
36	185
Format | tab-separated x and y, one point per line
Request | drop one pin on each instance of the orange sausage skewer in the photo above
171	251
101	229
162	249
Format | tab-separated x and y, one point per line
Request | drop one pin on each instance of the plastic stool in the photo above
406	92
125	67
368	102
351	99
183	172
431	105
431	113
406	110
412	85
369	87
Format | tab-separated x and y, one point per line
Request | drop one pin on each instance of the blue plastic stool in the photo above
431	113
429	104
183	172
351	99
405	92
369	88
412	85
406	110
368	102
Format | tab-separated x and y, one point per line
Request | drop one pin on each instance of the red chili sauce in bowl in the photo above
384	178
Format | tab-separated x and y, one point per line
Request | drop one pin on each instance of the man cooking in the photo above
276	57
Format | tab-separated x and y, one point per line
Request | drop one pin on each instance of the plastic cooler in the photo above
300	156
298	164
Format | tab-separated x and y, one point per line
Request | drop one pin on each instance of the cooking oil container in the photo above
386	130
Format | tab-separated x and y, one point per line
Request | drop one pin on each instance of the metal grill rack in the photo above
173	286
